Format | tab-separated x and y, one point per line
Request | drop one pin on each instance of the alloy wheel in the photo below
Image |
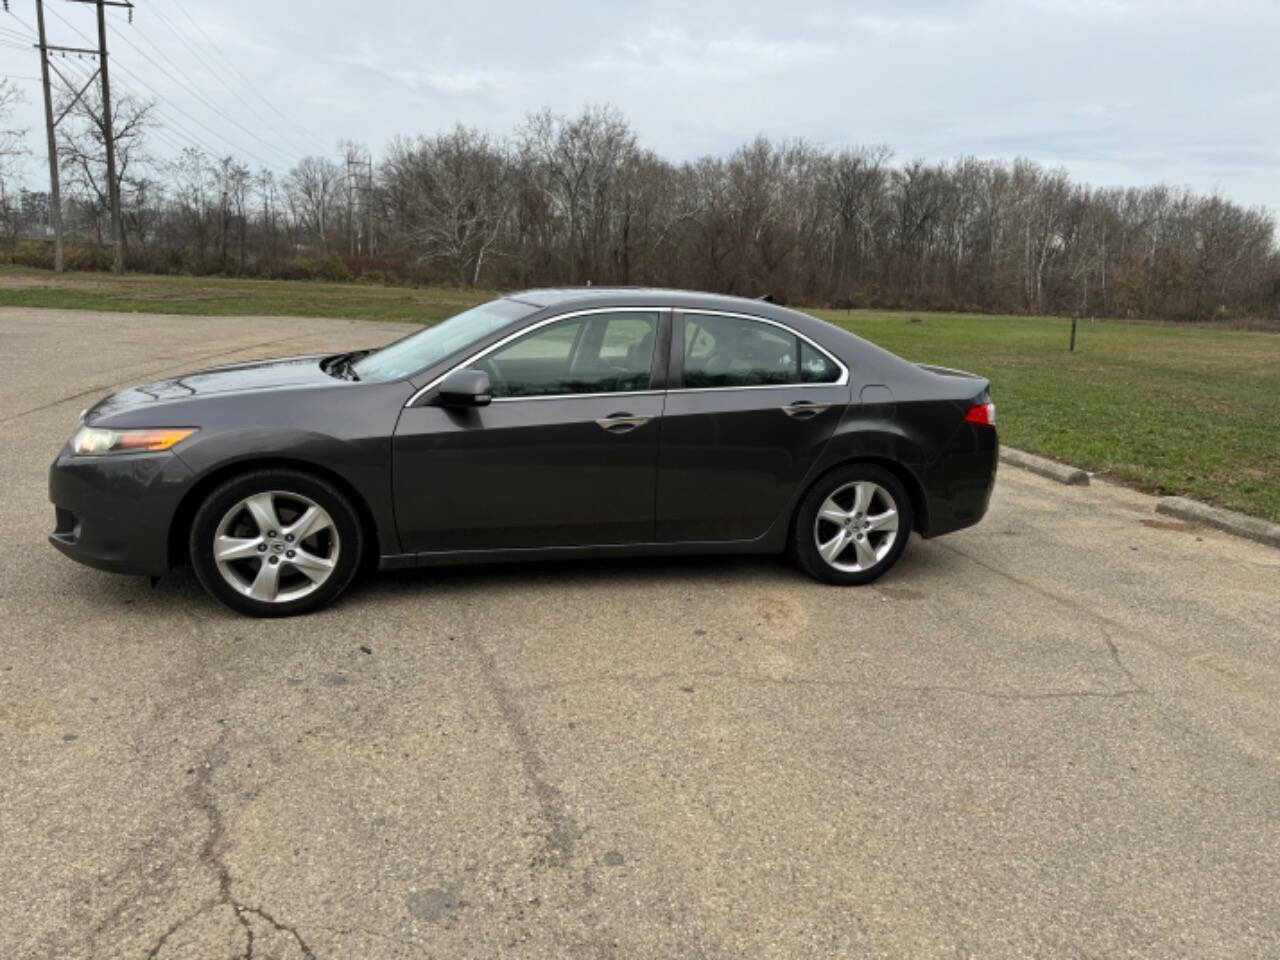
276	546
856	526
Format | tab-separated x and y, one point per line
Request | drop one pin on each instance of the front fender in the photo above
363	464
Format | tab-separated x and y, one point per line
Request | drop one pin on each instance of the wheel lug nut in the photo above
275	560
289	554
272	534
288	538
262	548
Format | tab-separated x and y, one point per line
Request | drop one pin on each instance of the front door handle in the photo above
804	409
621	422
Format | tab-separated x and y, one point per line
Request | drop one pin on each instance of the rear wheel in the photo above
274	543
852	525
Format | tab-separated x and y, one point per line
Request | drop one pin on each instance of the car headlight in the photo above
95	441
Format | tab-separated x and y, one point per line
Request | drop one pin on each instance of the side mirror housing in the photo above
465	388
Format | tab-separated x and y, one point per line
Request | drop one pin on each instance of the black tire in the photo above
348	543
804	537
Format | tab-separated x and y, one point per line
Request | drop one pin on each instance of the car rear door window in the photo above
728	351
597	353
816	366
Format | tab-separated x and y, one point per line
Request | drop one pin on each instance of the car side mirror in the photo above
465	388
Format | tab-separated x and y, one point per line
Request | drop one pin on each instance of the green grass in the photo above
1168	409
226	297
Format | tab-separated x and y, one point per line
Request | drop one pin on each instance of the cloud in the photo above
1118	91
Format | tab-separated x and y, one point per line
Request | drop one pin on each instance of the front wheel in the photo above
852	525
273	543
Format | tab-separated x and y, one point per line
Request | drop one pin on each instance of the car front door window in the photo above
597	353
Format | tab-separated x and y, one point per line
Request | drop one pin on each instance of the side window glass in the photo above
816	367
698	342
734	352
626	348
600	353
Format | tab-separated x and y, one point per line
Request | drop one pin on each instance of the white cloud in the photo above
1120	91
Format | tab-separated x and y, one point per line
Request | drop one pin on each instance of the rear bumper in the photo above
958	487
114	513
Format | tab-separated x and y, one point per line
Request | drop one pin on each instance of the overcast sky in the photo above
1116	91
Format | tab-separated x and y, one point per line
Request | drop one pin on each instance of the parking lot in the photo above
1055	734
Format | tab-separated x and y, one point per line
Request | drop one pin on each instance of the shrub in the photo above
153	260
86	256
34	253
331	268
388	266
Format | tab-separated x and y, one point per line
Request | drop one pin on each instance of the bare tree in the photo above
453	198
12	146
82	153
314	191
577	200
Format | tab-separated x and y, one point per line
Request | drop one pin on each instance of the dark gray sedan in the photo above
549	423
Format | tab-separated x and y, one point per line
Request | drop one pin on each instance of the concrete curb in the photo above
1072	476
1253	528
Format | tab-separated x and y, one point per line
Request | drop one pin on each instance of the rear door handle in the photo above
804	409
621	422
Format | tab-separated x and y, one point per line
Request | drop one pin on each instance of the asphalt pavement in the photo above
1055	735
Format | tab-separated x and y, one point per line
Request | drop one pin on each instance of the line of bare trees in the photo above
574	200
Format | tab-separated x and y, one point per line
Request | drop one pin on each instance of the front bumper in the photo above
114	512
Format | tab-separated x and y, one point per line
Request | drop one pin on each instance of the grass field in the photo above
1184	410
221	296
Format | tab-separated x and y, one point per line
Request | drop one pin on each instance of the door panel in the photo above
731	459
526	473
565	455
751	408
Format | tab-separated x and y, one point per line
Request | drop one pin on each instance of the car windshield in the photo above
421	350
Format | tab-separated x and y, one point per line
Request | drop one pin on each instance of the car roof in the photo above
629	296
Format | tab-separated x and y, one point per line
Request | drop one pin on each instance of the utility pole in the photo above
55	194
109	140
113	185
368	210
351	199
356	168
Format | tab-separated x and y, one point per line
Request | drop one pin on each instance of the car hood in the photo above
234	378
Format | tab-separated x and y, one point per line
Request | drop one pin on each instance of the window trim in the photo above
841	381
547	321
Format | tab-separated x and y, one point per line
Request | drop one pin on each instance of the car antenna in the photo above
766	297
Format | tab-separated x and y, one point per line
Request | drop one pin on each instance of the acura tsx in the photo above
549	423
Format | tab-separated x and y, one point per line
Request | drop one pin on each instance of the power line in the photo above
185	138
30	29
160	50
213	70
249	85
217	136
288	154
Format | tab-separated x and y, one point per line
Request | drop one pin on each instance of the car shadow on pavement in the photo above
180	589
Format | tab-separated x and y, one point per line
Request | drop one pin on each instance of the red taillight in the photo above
983	413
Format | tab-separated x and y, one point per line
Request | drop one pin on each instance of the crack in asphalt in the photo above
560	829
206	804
1114	650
